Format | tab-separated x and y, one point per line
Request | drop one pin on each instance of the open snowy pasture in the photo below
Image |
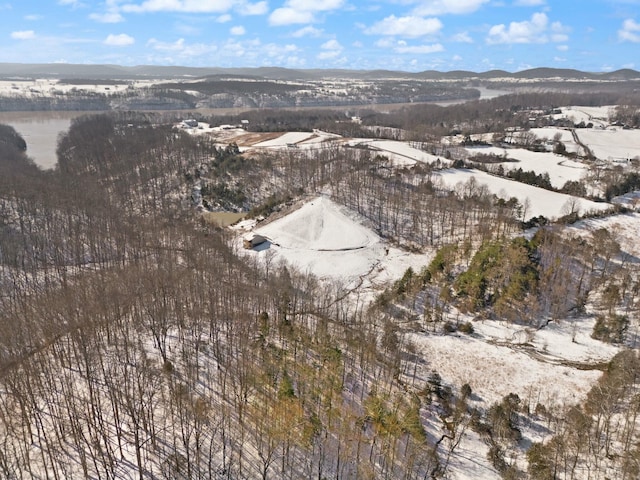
613	143
400	153
558	342
595	115
318	137
559	168
332	243
289	138
541	201
493	370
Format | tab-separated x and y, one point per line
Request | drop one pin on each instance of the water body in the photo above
40	130
223	219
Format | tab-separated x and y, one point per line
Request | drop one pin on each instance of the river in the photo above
40	130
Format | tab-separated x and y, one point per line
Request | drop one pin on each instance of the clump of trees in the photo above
628	183
501	275
541	180
9	138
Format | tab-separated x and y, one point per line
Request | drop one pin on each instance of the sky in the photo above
407	35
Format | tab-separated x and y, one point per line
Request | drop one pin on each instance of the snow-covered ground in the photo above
400	153
624	227
494	370
289	138
331	242
613	143
629	200
595	115
559	168
565	136
541	202
51	87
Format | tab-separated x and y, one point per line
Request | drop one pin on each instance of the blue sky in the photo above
410	35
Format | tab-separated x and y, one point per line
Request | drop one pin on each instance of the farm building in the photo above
190	123
253	240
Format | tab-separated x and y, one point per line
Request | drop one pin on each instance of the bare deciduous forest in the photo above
136	342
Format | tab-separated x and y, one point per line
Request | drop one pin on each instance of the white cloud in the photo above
327	55
289	16
385	43
176	46
419	49
109	17
405	26
332	44
259	8
180	49
121	40
462	37
238	30
535	30
441	7
529	3
186	29
33	18
563	48
330	49
401	46
315	5
307	31
224	18
630	31
23	35
302	11
183	6
225	54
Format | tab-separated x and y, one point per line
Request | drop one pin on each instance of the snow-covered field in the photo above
559	168
541	202
289	138
400	153
595	115
613	143
329	241
495	370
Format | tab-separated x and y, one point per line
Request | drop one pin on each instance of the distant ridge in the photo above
62	70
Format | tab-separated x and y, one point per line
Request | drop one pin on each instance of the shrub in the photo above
611	328
449	327
467	328
465	391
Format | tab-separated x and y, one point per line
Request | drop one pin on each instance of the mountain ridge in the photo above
111	71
